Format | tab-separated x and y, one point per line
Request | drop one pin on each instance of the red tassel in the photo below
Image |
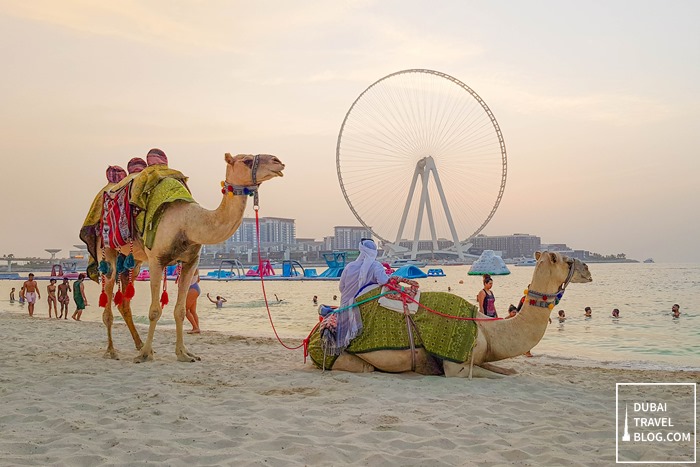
164	298
118	298
103	299
129	292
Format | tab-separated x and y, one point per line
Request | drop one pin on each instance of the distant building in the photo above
348	237
512	246
276	234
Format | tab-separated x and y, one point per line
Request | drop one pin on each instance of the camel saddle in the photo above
442	337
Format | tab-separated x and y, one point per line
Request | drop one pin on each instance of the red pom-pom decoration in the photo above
164	298
103	299
532	302
230	188
544	297
118	298
129	292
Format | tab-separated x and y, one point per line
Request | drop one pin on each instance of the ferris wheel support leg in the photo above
458	246
431	220
421	206
411	191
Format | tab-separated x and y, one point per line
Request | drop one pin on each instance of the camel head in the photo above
239	169
557	269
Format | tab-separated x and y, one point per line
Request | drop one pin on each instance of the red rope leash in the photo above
407	298
305	342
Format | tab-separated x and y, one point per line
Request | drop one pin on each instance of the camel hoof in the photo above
111	354
187	358
142	358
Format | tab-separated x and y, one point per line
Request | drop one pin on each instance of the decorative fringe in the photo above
164	298
129	292
103	299
105	268
118	298
120	265
129	262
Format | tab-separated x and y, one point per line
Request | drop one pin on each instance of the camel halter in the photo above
244	190
548	300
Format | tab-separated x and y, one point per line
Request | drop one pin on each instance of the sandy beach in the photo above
251	402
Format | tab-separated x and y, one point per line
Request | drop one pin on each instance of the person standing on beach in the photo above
588	313
676	311
12	295
51	297
79	297
486	298
63	298
31	292
191	303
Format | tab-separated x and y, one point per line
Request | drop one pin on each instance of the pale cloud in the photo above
613	109
127	19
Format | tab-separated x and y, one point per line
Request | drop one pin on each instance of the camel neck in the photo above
211	227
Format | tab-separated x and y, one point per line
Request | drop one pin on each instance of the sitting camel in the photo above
182	230
495	339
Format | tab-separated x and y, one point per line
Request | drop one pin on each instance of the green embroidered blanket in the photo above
383	329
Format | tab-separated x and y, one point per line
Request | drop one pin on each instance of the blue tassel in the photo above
129	262
105	268
120	264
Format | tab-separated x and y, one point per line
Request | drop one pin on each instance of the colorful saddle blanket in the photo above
383	329
117	225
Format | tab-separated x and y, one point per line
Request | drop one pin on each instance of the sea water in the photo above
645	335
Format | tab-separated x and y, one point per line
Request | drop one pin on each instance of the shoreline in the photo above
250	401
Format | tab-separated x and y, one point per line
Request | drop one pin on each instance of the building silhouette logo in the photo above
626	434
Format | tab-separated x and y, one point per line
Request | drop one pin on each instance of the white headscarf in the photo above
368	253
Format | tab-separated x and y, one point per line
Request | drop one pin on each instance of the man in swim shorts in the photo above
31	292
63	298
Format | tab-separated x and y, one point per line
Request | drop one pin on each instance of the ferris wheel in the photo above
421	145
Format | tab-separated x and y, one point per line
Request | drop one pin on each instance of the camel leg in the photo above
183	285
352	363
462	370
125	309
107	315
154	312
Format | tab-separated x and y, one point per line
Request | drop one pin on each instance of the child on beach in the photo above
12	295
51	298
79	297
63	298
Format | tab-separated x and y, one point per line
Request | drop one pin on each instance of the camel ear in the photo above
537	255
228	158
553	258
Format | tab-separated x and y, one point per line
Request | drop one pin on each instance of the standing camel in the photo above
184	227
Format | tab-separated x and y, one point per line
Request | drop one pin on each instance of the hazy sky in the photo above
598	102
